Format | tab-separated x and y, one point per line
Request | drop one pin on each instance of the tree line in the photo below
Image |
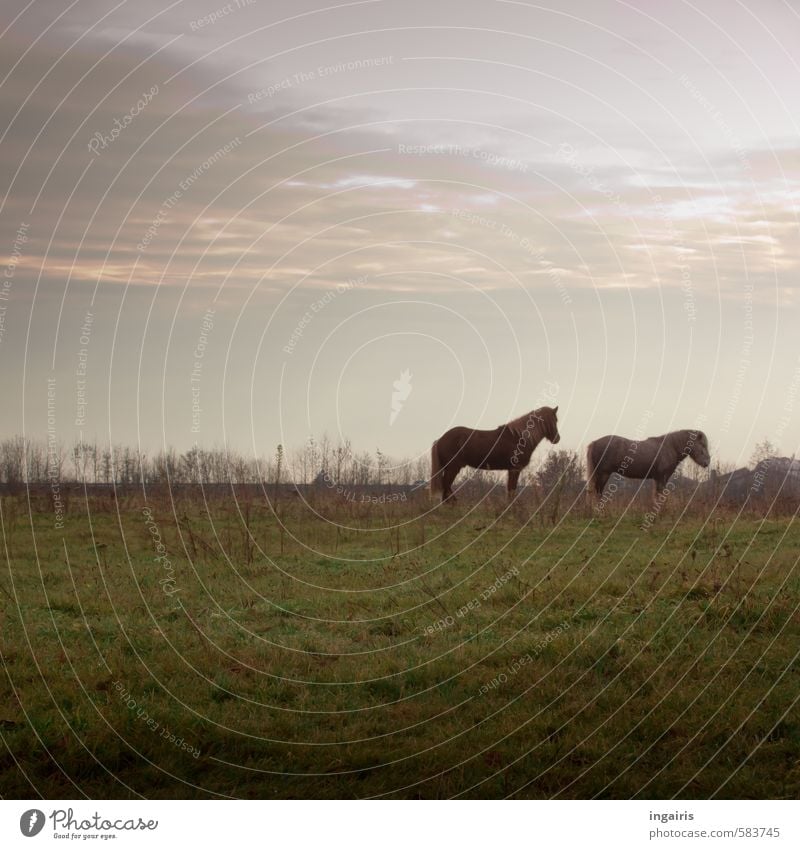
24	460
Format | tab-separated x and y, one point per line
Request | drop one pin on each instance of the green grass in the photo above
373	658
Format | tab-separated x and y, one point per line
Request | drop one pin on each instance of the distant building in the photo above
732	487
777	477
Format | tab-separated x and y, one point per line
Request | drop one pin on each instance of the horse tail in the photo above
436	469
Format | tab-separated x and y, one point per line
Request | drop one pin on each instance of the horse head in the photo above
697	448
547	421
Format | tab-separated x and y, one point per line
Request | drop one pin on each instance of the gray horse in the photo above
654	458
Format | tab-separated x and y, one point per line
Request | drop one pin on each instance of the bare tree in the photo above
361	469
12	459
763	451
561	469
107	465
341	454
381	462
37	462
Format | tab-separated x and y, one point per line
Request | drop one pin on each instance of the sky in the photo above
244	224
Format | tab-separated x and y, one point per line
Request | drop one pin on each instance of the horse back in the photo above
608	453
629	457
481	449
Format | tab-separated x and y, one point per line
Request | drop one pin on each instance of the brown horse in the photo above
509	446
655	458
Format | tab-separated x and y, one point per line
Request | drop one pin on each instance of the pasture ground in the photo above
362	650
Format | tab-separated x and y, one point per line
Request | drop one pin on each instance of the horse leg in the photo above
600	481
513	477
660	493
449	474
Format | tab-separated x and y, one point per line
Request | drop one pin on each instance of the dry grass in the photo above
349	650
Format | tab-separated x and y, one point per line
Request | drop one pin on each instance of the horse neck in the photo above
540	431
536	430
680	442
537	435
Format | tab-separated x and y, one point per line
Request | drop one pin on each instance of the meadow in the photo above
196	646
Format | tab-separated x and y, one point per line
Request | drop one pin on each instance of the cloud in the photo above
508	175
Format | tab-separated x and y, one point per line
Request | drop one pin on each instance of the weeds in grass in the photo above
306	664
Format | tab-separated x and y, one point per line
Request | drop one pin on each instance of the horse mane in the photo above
528	421
683	441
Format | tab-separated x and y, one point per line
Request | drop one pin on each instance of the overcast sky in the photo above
270	211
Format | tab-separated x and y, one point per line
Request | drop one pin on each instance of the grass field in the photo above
182	648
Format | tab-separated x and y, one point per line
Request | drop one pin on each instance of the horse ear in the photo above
555	409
